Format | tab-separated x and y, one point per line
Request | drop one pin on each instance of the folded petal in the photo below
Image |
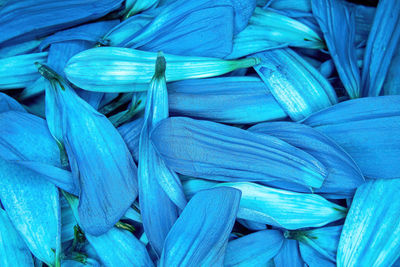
339	28
113	69
324	240
383	40
100	161
215	151
289	255
27	20
19	71
371	232
116	247
32	204
268	30
299	88
13	249
255	249
364	128
200	235
249	100
344	176
159	187
277	207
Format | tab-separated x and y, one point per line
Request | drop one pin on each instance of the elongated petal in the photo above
312	258
277	207
200	235
249	100
116	247
268	30
8	103
19	71
344	175
392	82
383	40
215	151
112	69
130	132
371	232
100	161
338	25
157	208
13	249
90	33
323	240
299	88
133	7
365	131
27	197
301	5
289	255
255	249
19	49
27	20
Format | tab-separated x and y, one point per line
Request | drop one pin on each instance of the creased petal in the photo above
249	100
159	187
13	249
344	176
215	151
27	20
200	235
93	144
339	28
383	40
299	88
26	197
371	232
255	249
113	69
277	207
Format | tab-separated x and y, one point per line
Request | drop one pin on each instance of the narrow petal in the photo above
339	28
13	248
130	132
277	207
299	88
215	151
371	232
312	258
383	40
158	185
26	197
113	69
20	49
344	176
249	99
255	249
200	235
27	20
133	7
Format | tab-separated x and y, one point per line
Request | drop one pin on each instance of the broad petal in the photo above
289	255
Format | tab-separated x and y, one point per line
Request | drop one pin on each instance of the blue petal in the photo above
93	144
32	204
159	187
8	103
313	258
392	82
20	49
255	249
383	40
371	232
277	207
248	98
200	235
338	25
130	132
296	85
215	151
13	249
365	129
289	255
344	175
27	20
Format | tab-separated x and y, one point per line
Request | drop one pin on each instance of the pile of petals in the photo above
199	133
